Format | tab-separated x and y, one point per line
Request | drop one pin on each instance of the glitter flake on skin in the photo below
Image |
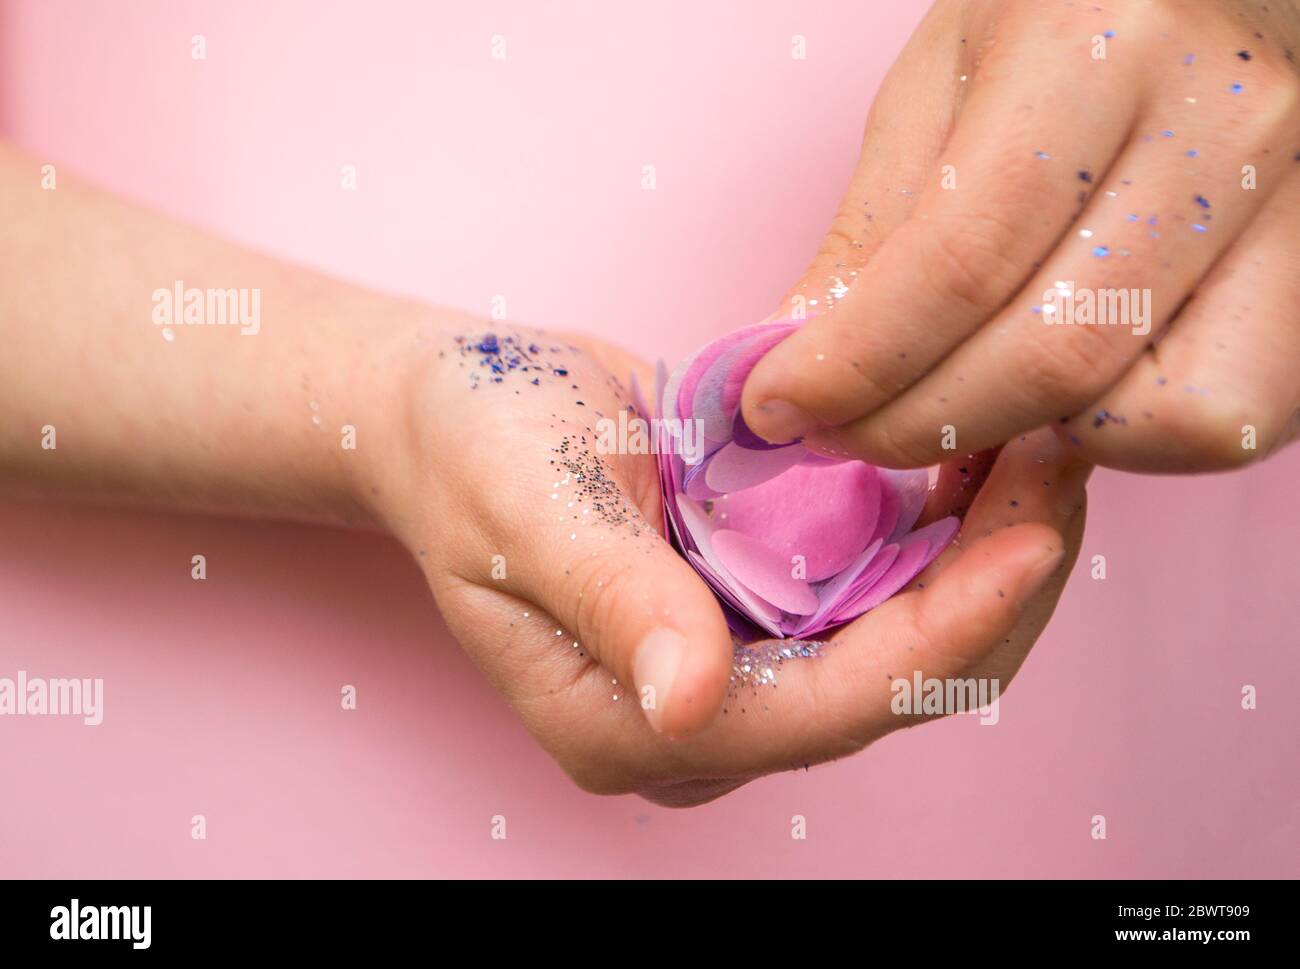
758	665
498	357
587	474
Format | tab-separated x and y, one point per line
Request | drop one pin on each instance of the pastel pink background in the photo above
522	177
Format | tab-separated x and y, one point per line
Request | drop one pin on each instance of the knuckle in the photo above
841	240
902	449
859	386
968	261
599	588
1068	368
844	730
846	384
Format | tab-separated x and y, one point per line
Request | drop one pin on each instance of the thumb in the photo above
640	610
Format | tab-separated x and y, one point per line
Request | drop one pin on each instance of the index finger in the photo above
993	207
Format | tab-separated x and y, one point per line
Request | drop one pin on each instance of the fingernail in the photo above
782	422
654	669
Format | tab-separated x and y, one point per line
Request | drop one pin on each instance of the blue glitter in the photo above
1101	252
1236	89
489	344
1167	133
1132	217
1190	58
1196	226
1202	201
1042	155
1192	152
1036	310
1244	54
1109	33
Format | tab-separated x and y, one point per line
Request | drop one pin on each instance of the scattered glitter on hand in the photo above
757	665
499	356
587	473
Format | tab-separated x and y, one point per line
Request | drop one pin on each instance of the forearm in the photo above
107	390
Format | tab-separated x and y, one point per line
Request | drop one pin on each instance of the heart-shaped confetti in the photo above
792	542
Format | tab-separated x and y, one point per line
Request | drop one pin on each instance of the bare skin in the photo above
221	422
1021	144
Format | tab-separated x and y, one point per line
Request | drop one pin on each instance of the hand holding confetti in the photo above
543	539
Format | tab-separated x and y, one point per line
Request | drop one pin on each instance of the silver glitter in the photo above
758	664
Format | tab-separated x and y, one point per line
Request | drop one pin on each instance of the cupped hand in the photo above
544	549
1064	214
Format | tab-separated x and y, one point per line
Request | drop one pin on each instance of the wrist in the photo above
409	410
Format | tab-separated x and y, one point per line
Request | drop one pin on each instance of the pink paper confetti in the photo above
792	543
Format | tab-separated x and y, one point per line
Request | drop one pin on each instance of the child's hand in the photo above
1023	158
533	540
